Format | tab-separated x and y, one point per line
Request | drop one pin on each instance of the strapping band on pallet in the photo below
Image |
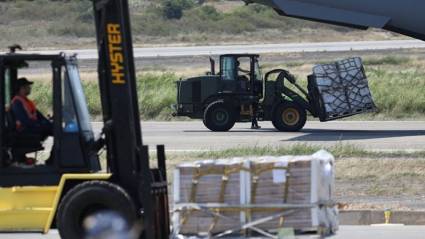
224	181
264	207
288	209
257	171
226	171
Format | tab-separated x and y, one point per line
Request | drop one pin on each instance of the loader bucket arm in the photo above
281	88
401	16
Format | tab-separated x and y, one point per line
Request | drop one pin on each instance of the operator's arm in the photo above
43	119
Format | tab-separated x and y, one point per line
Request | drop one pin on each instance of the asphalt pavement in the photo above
372	135
169	51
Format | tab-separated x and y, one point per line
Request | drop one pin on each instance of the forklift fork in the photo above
154	195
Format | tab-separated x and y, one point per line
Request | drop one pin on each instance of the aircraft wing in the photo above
403	16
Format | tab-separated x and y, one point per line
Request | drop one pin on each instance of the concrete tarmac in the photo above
371	135
345	232
168	51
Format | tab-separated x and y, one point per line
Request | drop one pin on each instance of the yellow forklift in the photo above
70	186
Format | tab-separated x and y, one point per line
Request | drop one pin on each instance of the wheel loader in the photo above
239	92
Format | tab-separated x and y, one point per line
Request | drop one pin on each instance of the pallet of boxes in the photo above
260	196
340	89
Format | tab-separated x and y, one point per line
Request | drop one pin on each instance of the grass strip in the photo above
360	173
340	150
396	83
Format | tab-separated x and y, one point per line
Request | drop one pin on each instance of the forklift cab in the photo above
241	74
72	147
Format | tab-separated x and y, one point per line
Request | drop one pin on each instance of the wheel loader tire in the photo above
219	117
87	199
289	117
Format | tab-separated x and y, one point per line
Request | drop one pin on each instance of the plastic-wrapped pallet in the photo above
343	88
291	191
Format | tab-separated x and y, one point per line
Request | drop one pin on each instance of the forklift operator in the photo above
243	77
28	119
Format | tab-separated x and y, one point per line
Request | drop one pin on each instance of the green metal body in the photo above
196	93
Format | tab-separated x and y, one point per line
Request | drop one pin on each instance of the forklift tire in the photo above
219	117
289	117
89	198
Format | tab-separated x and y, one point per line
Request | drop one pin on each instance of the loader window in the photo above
243	65
228	70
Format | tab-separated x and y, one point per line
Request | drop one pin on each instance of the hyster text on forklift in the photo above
70	186
239	93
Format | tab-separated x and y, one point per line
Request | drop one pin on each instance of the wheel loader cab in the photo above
240	74
70	147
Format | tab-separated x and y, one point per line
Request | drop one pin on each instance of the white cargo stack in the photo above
344	88
221	196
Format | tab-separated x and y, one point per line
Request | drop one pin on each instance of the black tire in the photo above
219	117
289	117
88	198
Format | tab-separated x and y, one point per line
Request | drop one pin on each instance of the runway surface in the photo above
87	54
371	135
345	232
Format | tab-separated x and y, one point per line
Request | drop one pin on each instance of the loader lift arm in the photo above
404	17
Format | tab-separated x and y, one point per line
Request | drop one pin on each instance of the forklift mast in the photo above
117	82
127	157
